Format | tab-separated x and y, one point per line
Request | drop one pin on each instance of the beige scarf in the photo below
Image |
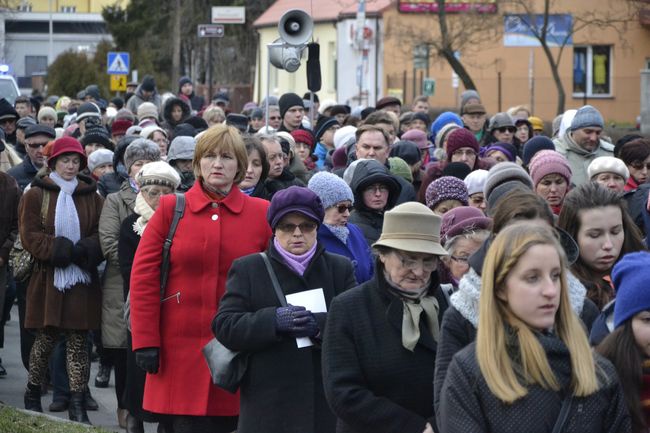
145	211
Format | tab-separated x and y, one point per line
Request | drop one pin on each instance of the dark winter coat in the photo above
370	221
356	249
196	102
112	182
80	306
372	383
168	123
9	199
138	98
24	173
468	405
282	390
286	179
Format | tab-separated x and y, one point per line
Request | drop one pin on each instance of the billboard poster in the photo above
451	6
519	30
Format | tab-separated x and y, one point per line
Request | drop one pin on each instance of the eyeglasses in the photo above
274	118
377	188
461	260
505	129
154	193
466	152
428	265
306	227
638	165
344	207
36	145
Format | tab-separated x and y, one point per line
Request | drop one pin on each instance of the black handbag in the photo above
227	368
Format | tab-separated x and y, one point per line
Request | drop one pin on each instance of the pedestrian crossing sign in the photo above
117	63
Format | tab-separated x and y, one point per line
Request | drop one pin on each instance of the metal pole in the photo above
50	58
415	80
210	69
268	84
499	90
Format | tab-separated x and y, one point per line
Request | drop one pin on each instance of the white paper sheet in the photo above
312	300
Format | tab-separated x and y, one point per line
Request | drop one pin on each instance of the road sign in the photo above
118	63
118	83
228	15
429	86
210	30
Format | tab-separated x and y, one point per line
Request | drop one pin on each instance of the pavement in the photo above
12	386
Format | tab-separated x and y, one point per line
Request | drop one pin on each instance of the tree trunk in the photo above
448	52
176	44
561	95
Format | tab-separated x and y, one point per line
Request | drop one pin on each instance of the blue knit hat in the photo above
587	116
534	145
330	188
632	294
444	119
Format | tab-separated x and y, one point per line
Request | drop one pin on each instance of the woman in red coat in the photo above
220	224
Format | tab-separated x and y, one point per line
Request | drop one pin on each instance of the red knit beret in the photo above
303	136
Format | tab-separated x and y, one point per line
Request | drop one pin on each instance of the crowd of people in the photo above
383	269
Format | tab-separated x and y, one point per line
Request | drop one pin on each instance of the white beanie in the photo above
158	173
606	164
98	158
475	181
343	135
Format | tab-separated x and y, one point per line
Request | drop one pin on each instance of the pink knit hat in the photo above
548	162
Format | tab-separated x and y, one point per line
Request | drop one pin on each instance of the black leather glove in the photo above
61	252
80	256
147	359
295	321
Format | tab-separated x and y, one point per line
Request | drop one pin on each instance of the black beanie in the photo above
289	100
458	170
148	84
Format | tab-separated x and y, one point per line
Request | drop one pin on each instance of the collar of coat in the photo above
86	184
197	200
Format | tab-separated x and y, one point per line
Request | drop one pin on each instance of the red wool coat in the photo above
208	238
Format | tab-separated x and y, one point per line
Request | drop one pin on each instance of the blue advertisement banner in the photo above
519	30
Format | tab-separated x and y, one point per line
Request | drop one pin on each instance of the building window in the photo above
592	71
35	65
68	9
24	7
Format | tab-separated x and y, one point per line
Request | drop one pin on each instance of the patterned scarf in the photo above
66	224
415	303
341	232
145	211
297	263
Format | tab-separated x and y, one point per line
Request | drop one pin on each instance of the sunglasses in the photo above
274	118
505	129
306	227
36	145
638	165
344	207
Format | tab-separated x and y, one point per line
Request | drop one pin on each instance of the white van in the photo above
8	88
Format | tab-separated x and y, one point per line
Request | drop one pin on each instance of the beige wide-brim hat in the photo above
412	227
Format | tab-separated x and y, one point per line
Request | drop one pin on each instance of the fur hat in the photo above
141	149
632	294
158	173
147	110
446	188
289	100
587	116
547	162
330	188
98	158
182	147
504	172
607	164
475	181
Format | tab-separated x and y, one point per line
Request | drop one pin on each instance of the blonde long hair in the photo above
494	315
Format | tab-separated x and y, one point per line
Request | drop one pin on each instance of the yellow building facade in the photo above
68	6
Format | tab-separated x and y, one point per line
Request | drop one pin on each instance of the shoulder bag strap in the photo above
274	280
564	414
45	205
179	210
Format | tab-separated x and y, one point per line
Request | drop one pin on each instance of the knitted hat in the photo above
323	124
587	116
386	101
339	158
632	294
501	191
34	130
406	150
446	188
295	199
330	188
88	109
46	112
98	158
140	149
534	145
125	114
547	162
148	84
537	123
459	170
500	120
458	138
64	145
443	133
412	227
119	126
7	111
475	181
158	173
504	172
339	109
148	131
289	100
608	164
147	110
509	150
182	147
183	81
24	122
462	219
467	95
418	137
303	136
344	136
473	109
399	167
443	119
97	134
424	117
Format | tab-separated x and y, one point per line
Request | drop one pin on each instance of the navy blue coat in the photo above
356	249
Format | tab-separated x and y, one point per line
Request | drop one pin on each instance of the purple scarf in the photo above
297	263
